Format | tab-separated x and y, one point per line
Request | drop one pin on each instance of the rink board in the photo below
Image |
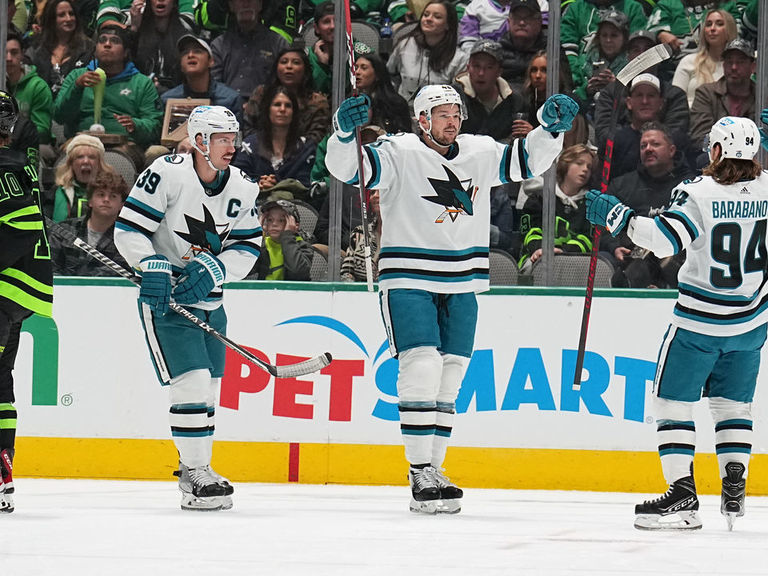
96	409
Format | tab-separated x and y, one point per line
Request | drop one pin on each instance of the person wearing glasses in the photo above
131	105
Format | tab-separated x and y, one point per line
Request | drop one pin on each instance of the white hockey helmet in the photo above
435	95
738	137
207	120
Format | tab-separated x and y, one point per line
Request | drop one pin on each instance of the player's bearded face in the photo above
446	122
222	149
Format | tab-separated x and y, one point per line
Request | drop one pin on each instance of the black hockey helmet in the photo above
9	113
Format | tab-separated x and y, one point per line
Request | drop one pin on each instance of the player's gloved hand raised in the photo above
199	277
608	211
557	113
764	115
352	112
155	290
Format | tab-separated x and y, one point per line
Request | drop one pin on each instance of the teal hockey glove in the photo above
199	277
557	113
352	112
155	290
764	115
608	211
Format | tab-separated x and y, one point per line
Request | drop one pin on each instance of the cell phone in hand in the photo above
598	66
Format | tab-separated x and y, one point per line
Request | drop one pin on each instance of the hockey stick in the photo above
358	140
284	371
642	62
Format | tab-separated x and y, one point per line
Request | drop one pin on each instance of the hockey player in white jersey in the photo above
189	225
434	197
719	324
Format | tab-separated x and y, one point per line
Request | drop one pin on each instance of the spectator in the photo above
120	11
647	190
732	95
285	255
749	20
674	109
429	53
196	60
292	71
156	28
524	38
277	150
106	195
535	94
61	45
573	233
677	22
31	91
706	65
580	22
644	104
280	16
84	160
353	263
492	106
321	52
244	54
389	110
483	20
131	105
608	55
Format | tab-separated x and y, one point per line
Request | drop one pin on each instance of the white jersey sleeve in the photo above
724	231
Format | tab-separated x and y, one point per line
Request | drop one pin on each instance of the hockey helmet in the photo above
9	113
435	95
738	137
207	120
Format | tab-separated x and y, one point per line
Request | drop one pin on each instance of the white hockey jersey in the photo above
168	212
436	210
723	283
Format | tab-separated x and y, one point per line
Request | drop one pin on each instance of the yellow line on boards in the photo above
528	469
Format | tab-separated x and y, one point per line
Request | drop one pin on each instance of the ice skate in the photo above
732	495
674	510
6	481
450	494
203	490
425	493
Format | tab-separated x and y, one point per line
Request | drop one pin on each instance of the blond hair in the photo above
704	65
65	176
568	157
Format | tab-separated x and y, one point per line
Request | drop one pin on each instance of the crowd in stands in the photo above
92	77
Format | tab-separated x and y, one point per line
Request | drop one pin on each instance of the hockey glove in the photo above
352	112
155	290
199	277
557	113
606	210
763	136
764	115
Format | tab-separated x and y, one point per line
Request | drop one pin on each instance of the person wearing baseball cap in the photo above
490	101
285	254
731	95
196	59
525	37
605	59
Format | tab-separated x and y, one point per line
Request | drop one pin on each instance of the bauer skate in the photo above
425	492
6	481
203	490
450	494
677	509
733	492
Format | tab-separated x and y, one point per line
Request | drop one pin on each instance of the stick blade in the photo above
303	368
647	59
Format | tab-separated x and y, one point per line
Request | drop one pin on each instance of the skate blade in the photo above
678	521
730	519
424	507
211	504
449	506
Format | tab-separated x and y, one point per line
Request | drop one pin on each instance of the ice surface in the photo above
111	528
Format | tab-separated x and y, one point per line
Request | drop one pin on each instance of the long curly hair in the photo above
48	38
